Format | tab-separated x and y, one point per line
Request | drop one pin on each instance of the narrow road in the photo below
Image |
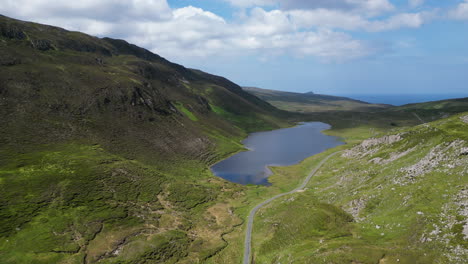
248	234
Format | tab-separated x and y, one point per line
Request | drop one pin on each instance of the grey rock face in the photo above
12	32
371	146
42	44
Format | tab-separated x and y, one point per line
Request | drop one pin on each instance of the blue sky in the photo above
325	46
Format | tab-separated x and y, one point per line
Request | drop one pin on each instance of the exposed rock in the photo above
383	140
42	44
434	158
393	156
12	32
464	151
443	232
370	146
464	119
462	202
354	208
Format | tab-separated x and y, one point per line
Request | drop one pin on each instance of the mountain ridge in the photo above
106	148
311	102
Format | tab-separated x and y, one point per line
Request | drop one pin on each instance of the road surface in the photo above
248	234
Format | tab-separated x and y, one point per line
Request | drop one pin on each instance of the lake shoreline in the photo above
250	166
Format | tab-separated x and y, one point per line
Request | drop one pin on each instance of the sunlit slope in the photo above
396	198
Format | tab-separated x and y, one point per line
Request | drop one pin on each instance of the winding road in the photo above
248	234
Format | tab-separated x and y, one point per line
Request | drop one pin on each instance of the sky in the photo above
324	46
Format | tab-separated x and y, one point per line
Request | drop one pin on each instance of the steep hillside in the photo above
395	198
310	102
106	147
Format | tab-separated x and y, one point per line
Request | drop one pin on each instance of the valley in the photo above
106	151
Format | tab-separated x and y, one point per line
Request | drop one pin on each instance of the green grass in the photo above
184	110
317	227
94	200
105	155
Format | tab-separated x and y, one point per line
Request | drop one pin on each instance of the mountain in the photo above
105	155
106	147
311	102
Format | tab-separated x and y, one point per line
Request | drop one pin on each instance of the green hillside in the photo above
399	197
105	155
105	149
310	102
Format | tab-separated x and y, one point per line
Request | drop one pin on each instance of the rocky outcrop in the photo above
444	153
393	156
371	146
355	207
464	119
42	44
462	202
11	32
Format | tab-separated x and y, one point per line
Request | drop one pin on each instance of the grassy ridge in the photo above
310	102
394	202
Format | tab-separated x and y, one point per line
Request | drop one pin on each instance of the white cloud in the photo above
365	7
104	10
348	21
327	44
194	32
261	22
460	12
327	18
404	20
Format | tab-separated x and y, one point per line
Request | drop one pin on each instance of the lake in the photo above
280	147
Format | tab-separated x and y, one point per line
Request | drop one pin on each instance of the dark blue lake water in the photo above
280	147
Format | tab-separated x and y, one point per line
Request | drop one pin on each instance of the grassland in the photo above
394	199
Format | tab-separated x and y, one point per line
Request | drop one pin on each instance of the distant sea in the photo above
402	99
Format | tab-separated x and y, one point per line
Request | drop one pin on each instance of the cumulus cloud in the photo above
302	28
367	7
104	10
460	12
407	20
341	20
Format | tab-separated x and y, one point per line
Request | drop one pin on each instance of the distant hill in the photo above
311	102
